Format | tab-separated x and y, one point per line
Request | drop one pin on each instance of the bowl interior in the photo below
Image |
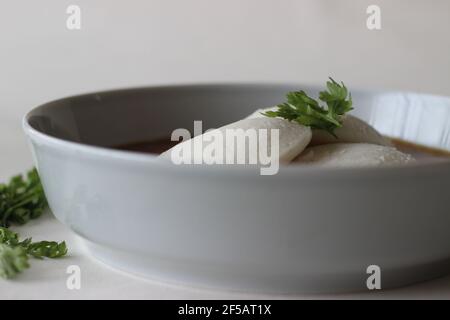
127	116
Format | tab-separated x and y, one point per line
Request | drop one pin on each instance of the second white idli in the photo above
353	155
353	130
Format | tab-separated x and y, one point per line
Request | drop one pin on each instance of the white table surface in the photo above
123	44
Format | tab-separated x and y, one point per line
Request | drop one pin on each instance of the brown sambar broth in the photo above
421	153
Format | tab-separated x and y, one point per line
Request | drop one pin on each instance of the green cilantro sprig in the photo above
13	260
307	111
23	199
14	253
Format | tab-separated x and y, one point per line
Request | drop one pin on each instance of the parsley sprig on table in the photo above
23	199
307	111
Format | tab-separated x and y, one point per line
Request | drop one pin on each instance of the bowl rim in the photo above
294	171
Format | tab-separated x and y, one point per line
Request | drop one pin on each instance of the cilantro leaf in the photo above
8	237
48	249
14	253
13	260
307	111
22	199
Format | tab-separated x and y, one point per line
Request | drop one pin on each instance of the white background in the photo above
134	43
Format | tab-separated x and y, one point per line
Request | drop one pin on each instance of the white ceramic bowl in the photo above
304	229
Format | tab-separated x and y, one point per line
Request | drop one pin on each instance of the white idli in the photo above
353	130
293	139
353	155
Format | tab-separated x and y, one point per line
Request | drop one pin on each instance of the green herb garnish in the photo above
307	111
14	253
21	200
13	260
